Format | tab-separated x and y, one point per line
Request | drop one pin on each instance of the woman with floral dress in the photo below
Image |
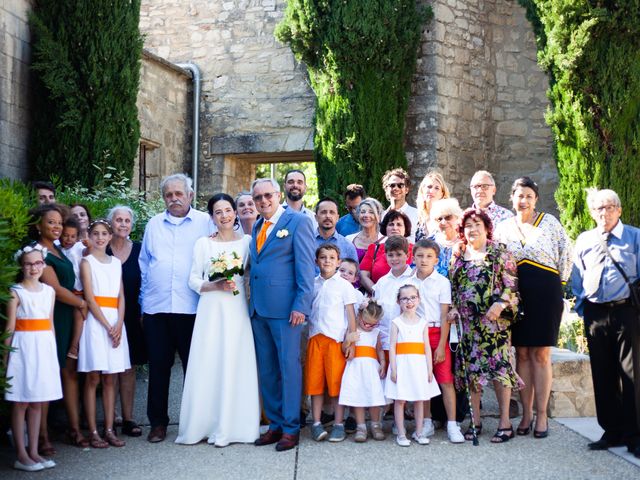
484	295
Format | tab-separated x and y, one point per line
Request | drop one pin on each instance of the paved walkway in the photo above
562	455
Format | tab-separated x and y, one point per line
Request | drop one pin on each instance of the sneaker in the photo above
403	441
376	431
337	434
361	435
350	425
428	428
421	439
318	433
454	434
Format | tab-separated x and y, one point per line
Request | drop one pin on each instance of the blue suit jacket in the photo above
282	274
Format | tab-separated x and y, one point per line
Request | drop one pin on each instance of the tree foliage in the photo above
86	60
591	51
361	56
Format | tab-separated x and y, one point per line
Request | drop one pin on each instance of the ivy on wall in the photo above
361	56
86	64
591	52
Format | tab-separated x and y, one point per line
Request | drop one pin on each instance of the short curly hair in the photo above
471	213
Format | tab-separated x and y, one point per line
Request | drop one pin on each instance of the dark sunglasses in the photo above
395	185
267	196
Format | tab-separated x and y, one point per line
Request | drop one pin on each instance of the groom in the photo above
282	276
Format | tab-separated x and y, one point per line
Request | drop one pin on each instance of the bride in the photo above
220	400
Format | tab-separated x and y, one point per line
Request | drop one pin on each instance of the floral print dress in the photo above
485	345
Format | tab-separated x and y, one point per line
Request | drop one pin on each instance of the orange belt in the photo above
32	324
407	348
366	352
107	302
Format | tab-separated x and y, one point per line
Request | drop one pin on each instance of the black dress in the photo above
131	280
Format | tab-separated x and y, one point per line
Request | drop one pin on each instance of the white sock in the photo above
315	424
452	424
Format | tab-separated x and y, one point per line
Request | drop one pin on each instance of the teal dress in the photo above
62	313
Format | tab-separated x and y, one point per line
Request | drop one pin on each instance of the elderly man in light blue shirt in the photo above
610	319
168	304
327	216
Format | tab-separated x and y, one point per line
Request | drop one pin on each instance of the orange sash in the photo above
107	302
407	348
365	351
32	324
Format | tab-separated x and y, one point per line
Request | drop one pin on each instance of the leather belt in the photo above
617	303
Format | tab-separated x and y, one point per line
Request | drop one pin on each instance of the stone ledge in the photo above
572	387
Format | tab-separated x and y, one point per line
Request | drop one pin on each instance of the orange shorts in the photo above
441	371
325	365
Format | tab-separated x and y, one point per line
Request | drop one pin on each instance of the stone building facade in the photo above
15	57
164	110
478	97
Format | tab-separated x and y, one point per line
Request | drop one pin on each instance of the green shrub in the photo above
361	57
112	190
15	198
86	64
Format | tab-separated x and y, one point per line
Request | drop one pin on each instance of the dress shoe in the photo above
272	436
35	467
605	443
287	442
157	434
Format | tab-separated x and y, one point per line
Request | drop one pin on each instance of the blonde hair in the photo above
371	309
422	204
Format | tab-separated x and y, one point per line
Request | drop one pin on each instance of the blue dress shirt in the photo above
624	245
347	225
165	262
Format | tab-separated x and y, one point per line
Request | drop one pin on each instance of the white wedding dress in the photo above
220	400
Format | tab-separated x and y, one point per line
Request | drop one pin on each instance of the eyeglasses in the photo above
395	185
38	264
267	196
413	298
446	218
607	208
481	186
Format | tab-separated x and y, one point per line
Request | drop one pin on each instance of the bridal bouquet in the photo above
226	266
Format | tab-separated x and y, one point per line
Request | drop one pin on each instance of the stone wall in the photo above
164	110
479	99
15	56
255	96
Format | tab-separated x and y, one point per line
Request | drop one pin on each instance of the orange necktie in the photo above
262	235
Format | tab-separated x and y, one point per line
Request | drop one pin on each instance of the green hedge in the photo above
86	64
591	52
361	57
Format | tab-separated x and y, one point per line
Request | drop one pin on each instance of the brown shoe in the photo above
272	436
157	434
287	442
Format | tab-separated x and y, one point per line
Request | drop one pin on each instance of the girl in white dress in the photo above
32	368
103	350
220	401
362	378
410	376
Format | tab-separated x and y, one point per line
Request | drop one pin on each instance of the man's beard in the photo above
294	197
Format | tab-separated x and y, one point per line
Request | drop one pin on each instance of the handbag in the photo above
634	288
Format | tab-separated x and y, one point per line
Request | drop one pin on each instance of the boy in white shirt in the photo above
332	315
386	290
435	300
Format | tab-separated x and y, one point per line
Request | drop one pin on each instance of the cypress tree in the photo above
591	51
361	56
86	64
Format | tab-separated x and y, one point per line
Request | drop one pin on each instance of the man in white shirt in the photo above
295	186
168	304
483	189
396	184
